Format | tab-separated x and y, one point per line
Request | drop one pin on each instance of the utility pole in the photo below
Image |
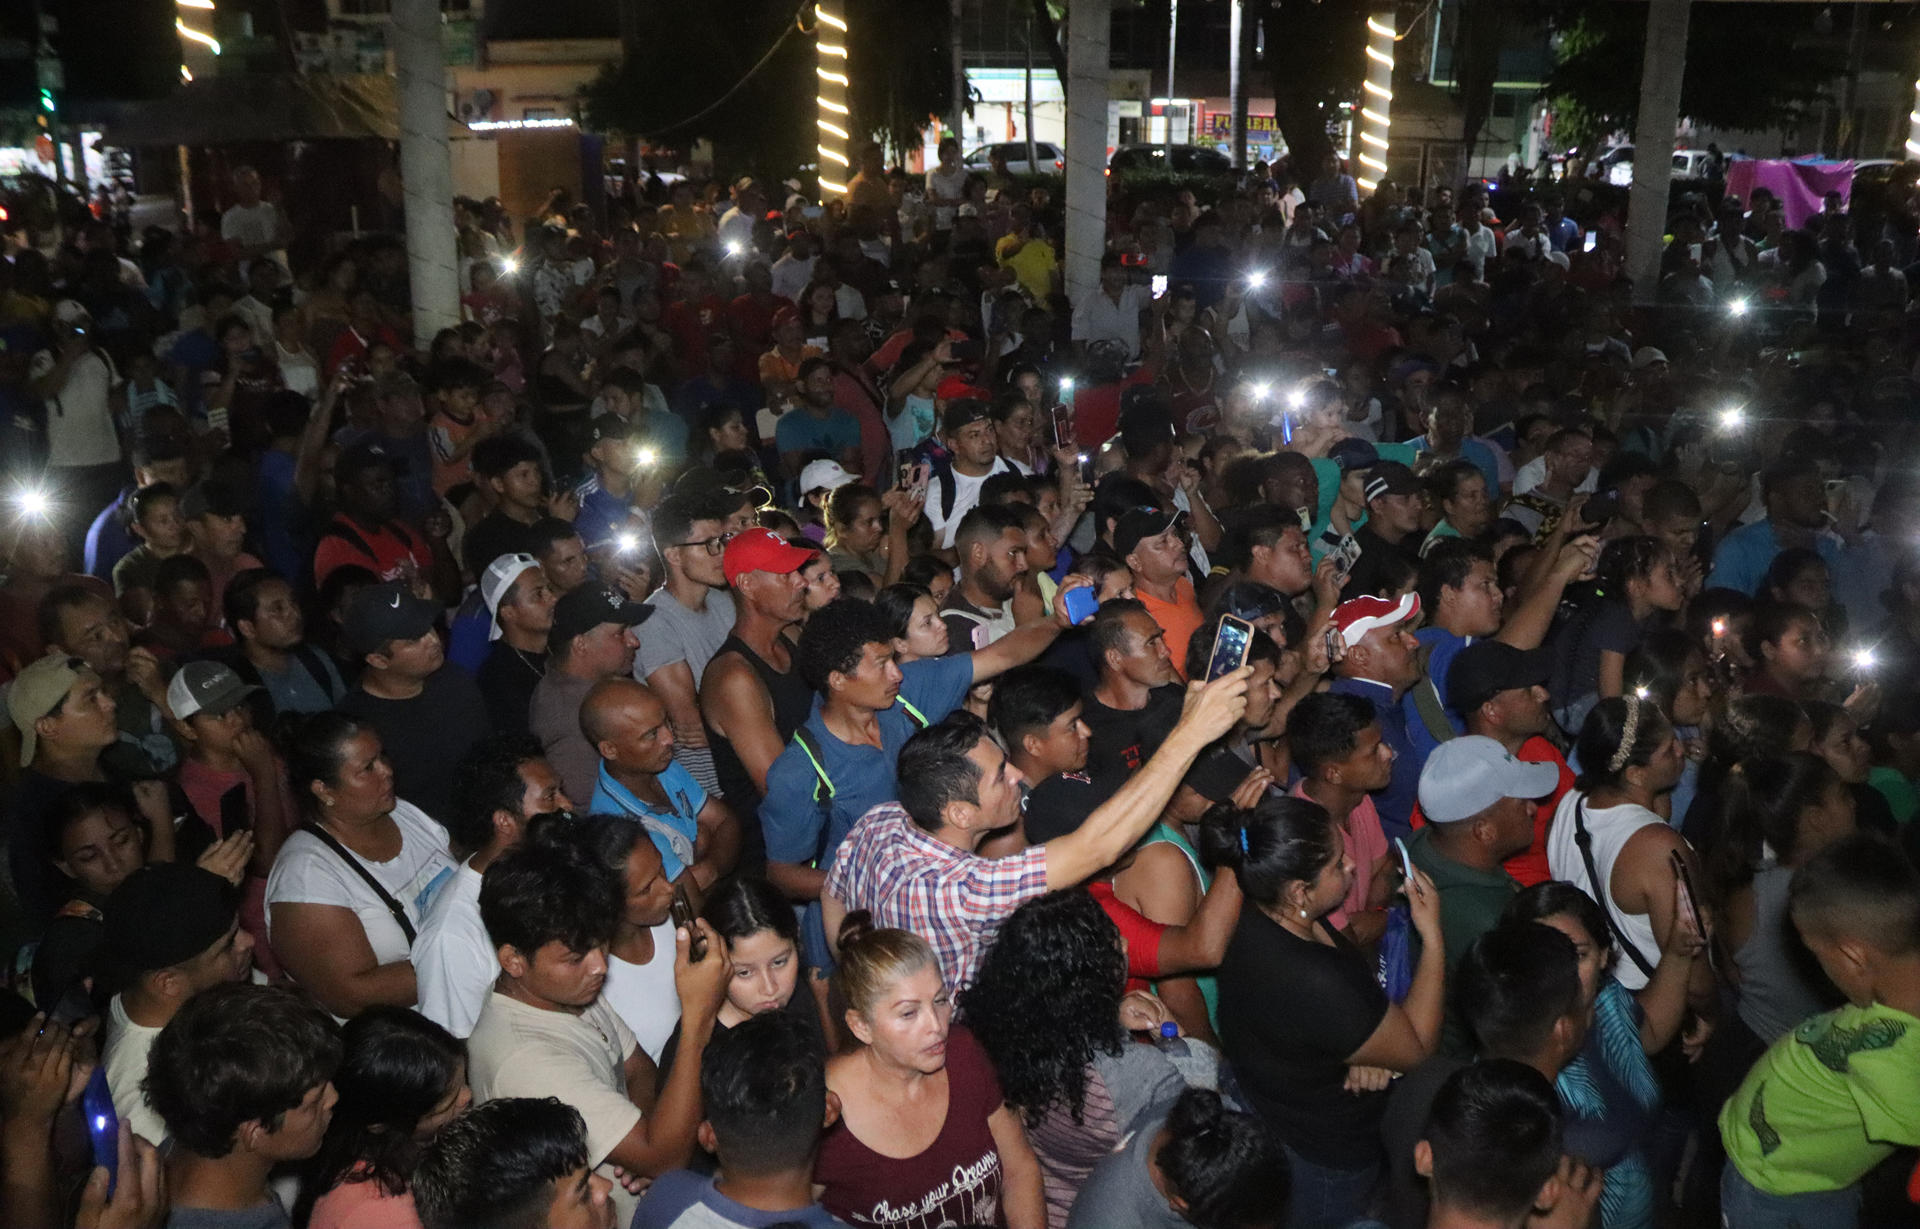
1089	33
1173	44
1662	68
1239	51
426	166
959	79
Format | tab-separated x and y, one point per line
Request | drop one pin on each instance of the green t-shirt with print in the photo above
1827	1102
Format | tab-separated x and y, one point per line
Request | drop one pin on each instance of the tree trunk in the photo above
1050	40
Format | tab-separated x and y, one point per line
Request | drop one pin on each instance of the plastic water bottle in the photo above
1171	1043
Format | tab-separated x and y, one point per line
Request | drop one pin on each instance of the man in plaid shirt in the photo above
913	864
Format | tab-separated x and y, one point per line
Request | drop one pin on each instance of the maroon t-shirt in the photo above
956	1181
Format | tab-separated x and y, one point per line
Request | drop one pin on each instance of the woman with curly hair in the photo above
1046	1006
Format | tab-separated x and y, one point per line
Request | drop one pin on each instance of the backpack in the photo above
824	790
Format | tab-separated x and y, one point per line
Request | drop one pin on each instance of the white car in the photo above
1050	159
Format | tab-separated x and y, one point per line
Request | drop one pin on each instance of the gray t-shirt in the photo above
554	718
269	1215
675	633
1119	1191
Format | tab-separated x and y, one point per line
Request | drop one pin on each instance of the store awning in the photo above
246	108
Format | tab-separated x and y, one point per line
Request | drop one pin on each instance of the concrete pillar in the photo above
1662	69
426	167
1089	32
1239	51
959	68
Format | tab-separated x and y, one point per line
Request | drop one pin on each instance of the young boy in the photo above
183	611
163	534
242	1077
765	1092
512	1162
216	517
458	421
1835	1097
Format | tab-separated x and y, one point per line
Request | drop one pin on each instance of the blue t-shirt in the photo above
681	819
1395	802
863	777
1446	646
1746	554
683	1199
277	511
108	538
602	513
799	431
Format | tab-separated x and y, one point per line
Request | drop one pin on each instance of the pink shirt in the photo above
1366	844
363	1205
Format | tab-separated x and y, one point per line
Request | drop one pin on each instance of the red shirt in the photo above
1529	866
1142	935
392	545
691	323
350	345
1096	410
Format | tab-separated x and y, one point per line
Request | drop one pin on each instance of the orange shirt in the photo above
1179	619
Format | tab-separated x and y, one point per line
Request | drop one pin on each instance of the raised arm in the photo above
1211	710
1407	1035
663	1138
1023	644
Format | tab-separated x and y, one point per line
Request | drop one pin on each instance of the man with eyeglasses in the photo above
66	719
693	616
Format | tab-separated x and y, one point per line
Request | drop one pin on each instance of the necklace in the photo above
526	659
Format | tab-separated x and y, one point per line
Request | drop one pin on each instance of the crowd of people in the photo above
781	718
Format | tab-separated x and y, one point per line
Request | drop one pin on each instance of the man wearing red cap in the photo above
751	697
1381	665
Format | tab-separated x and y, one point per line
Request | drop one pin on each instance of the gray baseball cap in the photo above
1464	776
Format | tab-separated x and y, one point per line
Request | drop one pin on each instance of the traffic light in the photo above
46	101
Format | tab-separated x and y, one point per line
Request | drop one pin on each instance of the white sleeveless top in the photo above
1611	828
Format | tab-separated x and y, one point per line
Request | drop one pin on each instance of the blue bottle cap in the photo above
1169	1029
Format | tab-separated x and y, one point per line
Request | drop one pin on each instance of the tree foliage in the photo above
1316	53
1748	66
897	62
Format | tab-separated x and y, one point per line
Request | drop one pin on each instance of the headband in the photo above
1627	732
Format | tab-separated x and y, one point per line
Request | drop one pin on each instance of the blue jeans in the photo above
1324	1198
1745	1206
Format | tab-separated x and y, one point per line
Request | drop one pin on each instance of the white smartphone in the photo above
1159	284
1406	859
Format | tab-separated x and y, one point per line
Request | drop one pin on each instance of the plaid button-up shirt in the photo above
953	899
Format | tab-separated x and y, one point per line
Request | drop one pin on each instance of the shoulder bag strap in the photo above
398	910
1584	840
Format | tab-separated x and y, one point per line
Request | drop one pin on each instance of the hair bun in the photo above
855	927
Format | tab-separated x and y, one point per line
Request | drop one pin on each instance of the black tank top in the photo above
792	703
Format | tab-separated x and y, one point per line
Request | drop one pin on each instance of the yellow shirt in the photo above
1033	264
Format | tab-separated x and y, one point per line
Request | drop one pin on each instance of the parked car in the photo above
1187	159
1049	159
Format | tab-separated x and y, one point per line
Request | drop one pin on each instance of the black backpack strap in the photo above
1584	841
309	659
398	910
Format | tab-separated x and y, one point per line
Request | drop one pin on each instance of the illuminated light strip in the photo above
499	125
831	105
1371	139
827	185
835	129
1378	56
836	78
187	31
1368	184
1375	163
197	4
833	49
1377	28
186	75
1913	128
821	14
1378	91
836	155
1373	115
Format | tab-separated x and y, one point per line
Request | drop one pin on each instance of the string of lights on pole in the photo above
1913	125
835	117
191	34
1376	107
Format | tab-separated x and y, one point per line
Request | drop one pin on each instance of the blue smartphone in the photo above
103	1124
1081	603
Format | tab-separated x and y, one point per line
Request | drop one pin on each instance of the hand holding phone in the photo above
1691	933
1081	604
1406	859
683	919
1232	640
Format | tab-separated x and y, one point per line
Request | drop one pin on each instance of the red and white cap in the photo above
1361	615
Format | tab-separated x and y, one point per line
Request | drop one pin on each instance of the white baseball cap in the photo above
495	582
824	476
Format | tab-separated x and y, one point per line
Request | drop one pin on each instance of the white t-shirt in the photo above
790	276
253	225
952	186
966	493
126	1060
454	961
522	1051
1098	318
309	873
643	994
80	416
1534	472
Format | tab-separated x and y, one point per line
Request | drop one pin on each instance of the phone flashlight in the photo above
1739	307
1256	279
1641	693
509	266
1297	399
1863	660
33	502
1719	627
1732	419
627	543
1262	391
736	248
645	457
1066	385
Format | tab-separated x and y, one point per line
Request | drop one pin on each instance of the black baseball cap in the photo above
1390	478
1487	667
1138	524
379	614
589	606
608	427
165	914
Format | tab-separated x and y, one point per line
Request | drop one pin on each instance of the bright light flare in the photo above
1066	386
509	266
627	543
1739	307
1863	660
1262	391
1256	279
33	502
735	248
1297	399
645	458
1732	418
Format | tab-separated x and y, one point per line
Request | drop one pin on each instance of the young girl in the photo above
1637	588
1790	649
